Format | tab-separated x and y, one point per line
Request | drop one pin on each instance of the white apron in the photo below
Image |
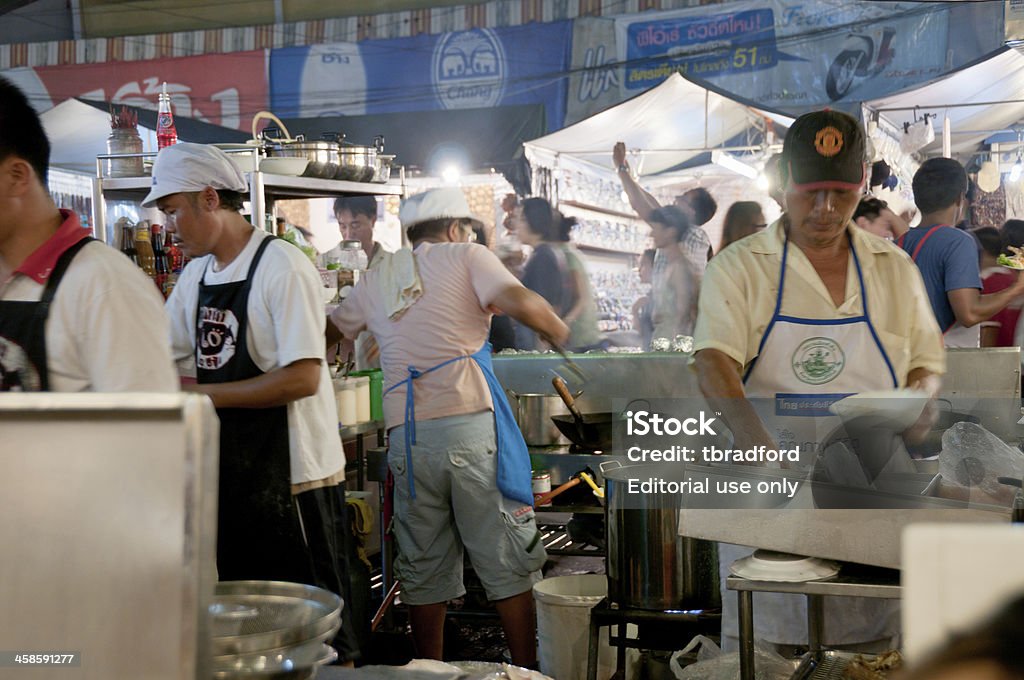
804	365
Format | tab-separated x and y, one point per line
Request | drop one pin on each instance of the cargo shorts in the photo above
458	509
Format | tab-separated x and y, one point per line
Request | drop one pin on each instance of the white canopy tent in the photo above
978	101
662	128
78	133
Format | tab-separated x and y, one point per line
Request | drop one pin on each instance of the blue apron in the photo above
513	459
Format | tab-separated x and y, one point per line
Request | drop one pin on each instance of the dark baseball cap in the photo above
825	150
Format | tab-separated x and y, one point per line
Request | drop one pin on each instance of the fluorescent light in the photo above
729	163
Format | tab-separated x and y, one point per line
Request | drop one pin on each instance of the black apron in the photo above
257	532
23	333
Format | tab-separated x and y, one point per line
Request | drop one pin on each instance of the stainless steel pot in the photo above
359	163
533	415
649	565
323	156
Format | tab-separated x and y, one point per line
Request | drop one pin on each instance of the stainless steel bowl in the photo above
287	614
300	664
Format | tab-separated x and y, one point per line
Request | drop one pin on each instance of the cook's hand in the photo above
1018	285
558	335
916	433
618	154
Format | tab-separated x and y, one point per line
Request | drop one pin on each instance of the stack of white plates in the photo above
766	565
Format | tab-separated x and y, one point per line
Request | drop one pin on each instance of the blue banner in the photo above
704	46
479	68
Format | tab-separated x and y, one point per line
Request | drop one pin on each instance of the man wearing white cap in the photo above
462	473
247	316
75	314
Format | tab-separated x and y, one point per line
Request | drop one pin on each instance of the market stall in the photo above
670	132
973	114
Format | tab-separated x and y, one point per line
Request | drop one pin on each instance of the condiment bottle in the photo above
128	241
166	133
146	258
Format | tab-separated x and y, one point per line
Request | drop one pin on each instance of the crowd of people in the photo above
245	326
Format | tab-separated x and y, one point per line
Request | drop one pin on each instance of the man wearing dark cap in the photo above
799	315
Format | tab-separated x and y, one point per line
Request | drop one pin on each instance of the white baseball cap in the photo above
185	167
436	204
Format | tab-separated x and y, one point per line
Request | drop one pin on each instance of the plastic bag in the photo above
712	664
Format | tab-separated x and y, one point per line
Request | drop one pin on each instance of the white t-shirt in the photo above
106	330
286	323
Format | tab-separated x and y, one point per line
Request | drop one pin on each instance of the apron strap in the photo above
410	412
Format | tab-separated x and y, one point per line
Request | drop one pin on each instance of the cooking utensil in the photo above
570	403
649	564
570	364
358	163
533	415
546	498
596	432
302	665
598	491
287	614
592	431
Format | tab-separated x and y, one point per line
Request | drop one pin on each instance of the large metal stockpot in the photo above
533	415
649	565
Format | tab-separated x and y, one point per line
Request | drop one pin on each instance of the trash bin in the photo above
563	626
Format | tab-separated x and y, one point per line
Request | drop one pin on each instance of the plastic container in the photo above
345	395
376	377
362	398
563	625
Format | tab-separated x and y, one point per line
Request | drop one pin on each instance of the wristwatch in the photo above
624	168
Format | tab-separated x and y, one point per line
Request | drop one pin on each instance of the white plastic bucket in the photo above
563	626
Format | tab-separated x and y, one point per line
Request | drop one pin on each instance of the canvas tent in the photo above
78	132
980	101
665	127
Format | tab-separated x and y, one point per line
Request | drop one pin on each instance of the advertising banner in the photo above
478	68
224	89
786	54
596	77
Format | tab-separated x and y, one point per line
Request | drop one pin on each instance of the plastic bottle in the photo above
166	133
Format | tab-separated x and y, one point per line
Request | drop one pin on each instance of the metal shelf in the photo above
263	189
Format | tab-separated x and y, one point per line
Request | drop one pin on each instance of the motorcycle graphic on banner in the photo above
862	55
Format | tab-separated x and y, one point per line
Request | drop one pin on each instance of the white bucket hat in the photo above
436	204
185	167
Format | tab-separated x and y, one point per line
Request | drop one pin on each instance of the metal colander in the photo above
254	616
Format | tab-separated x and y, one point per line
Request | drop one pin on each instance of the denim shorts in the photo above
458	506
